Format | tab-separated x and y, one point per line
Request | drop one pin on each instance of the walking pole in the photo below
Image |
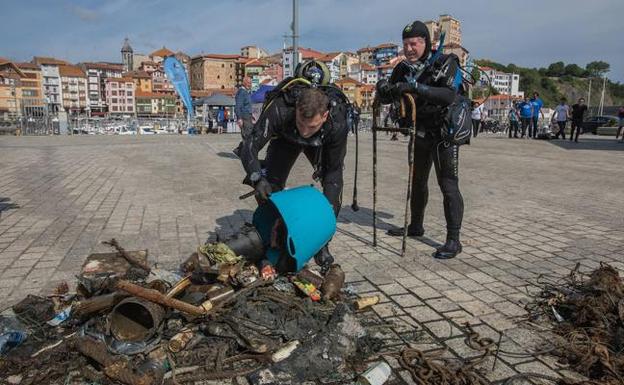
376	106
410	162
354	204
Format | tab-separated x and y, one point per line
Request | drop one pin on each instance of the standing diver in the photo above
435	80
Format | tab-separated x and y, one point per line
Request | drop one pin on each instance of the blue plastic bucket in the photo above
309	220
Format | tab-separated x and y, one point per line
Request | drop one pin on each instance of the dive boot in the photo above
449	250
324	259
412	231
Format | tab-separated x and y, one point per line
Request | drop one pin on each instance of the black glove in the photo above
401	88
384	87
263	190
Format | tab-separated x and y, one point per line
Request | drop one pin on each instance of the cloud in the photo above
83	14
532	33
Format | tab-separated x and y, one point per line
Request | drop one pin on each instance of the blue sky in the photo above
527	32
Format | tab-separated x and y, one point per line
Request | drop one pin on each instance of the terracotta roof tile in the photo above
163	52
103	66
71	71
27	66
48	60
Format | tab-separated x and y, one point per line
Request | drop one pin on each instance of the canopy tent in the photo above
215	100
259	95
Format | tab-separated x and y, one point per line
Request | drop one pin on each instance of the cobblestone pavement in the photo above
532	207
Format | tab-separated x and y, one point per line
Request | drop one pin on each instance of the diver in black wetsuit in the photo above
312	120
435	81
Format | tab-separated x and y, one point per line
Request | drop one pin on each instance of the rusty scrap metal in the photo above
157	297
115	368
586	313
96	304
132	259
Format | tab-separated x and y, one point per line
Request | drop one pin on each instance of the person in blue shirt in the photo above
513	122
243	111
526	114
537	109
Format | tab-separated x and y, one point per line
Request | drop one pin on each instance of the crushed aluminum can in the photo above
377	374
60	317
180	340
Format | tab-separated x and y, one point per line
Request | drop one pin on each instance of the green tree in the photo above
476	74
597	68
556	69
574	70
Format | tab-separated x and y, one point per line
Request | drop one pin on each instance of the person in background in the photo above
220	120
578	110
537	110
476	115
243	110
513	117
562	114
526	114
355	116
620	124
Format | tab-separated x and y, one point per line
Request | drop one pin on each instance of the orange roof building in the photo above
43	60
71	71
162	52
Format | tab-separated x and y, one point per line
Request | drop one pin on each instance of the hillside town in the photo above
137	86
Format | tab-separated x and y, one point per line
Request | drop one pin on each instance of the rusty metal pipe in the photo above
115	368
159	298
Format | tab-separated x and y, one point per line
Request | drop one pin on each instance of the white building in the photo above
289	64
364	73
504	83
51	81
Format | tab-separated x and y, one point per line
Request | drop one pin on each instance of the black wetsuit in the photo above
432	96
325	150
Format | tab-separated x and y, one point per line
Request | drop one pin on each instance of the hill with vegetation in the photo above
564	80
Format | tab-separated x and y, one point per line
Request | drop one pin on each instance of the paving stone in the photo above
425	292
511	234
423	313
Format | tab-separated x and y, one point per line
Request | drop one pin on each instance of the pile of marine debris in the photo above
586	312
219	316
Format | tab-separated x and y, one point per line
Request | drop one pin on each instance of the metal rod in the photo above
410	162
354	204
376	106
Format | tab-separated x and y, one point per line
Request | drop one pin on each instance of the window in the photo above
114	93
129	101
129	93
114	108
129	109
114	100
